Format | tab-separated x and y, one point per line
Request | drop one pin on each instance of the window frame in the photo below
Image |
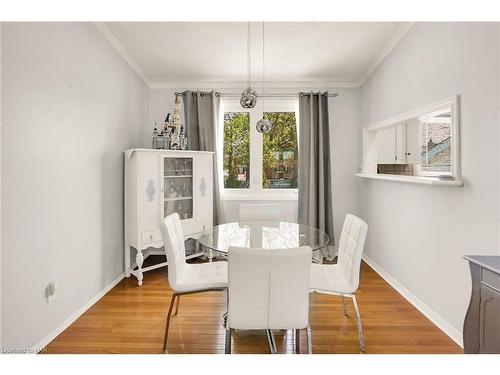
256	190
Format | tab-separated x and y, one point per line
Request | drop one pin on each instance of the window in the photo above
280	152
256	165
236	150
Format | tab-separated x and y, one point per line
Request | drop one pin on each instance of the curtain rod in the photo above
267	95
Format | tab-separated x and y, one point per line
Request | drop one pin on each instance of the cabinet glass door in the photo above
178	186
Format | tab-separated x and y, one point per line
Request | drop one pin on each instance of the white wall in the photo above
344	123
418	233
71	105
161	102
346	151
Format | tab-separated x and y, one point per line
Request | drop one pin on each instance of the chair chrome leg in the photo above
272	343
177	305
167	325
297	341
309	340
228	341
360	328
344	305
227	309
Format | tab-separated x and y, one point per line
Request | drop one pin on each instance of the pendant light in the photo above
263	125
249	95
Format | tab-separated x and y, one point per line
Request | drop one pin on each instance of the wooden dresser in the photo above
482	322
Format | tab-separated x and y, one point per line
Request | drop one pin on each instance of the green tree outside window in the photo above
236	150
280	152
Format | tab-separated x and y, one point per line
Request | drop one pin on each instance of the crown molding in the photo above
269	85
403	30
108	34
281	84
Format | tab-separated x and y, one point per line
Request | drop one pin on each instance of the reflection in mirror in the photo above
435	135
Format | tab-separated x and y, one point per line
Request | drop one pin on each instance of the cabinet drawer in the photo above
491	279
150	236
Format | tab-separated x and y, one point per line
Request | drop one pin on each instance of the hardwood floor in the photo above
131	319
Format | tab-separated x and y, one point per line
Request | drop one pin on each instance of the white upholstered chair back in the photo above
173	240
352	242
259	212
269	289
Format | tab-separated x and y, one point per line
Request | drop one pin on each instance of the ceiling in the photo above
172	52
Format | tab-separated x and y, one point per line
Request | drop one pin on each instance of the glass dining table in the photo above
262	235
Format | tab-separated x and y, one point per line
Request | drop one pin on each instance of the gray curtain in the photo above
315	179
201	115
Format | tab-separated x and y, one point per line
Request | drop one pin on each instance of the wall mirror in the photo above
420	144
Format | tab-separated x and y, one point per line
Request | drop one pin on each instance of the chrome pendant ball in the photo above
249	90
248	98
264	126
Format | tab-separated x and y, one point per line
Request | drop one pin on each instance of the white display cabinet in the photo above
158	183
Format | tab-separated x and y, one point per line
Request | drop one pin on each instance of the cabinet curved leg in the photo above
139	259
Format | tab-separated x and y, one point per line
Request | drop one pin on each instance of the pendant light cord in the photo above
263	66
249	58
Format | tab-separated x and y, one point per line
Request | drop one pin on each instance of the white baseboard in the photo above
433	316
68	321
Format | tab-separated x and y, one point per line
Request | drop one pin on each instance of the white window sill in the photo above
434	181
264	196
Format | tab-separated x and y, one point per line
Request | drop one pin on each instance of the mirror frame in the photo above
369	134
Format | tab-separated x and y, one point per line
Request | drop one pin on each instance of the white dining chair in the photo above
259	212
269	289
342	279
186	278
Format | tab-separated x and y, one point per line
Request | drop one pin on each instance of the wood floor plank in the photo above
131	319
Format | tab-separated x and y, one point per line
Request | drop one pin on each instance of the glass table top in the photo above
263	235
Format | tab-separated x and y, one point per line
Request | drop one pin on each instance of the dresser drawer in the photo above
151	236
490	278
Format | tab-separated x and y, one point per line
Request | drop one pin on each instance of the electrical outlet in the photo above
51	291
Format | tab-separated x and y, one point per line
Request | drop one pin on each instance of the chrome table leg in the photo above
228	341
309	340
297	341
272	343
